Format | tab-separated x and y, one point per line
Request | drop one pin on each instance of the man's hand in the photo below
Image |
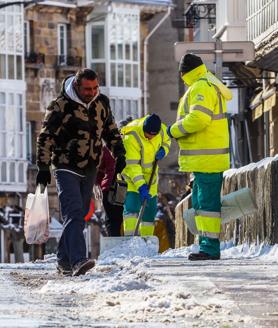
160	154
169	131
120	164
43	177
144	192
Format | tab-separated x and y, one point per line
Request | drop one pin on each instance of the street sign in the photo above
231	51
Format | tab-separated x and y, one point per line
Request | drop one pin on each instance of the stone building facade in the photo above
60	38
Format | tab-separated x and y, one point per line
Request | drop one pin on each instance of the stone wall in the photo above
262	179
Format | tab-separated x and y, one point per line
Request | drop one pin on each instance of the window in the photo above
62	44
122	108
29	141
2	124
97	51
26	37
11	43
98	42
124	49
12	140
113	51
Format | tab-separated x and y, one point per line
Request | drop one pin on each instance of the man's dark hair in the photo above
85	73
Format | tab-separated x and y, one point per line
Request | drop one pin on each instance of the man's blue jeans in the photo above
74	194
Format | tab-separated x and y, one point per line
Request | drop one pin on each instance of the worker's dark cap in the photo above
152	124
188	62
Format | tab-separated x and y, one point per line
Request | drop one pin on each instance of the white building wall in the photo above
231	14
13	163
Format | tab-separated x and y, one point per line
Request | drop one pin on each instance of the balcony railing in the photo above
262	18
75	61
34	58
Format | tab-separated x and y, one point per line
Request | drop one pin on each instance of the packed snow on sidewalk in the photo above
132	286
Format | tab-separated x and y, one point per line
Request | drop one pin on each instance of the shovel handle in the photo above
142	209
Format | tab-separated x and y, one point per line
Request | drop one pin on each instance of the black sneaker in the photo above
202	257
82	267
64	269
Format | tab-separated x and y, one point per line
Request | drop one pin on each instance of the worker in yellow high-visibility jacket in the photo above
202	133
145	140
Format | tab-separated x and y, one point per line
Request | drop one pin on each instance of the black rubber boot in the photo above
202	257
82	267
64	269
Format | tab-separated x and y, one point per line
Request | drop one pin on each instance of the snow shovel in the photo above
107	243
234	206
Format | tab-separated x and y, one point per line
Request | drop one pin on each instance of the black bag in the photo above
117	192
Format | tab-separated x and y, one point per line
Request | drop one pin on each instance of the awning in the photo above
263	102
243	75
269	98
256	105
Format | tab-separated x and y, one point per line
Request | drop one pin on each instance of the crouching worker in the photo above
145	141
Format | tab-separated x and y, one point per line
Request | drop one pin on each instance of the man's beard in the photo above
89	99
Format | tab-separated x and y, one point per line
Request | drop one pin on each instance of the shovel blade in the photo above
108	243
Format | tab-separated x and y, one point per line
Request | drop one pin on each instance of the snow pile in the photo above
271	254
229	251
181	252
251	166
244	251
126	275
131	248
263	251
94	283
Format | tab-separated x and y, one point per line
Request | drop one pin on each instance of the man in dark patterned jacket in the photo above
74	128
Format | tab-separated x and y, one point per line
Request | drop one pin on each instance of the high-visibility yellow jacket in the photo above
201	128
140	154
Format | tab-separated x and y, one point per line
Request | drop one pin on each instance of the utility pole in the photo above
218	59
266	121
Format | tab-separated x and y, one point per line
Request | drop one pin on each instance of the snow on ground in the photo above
131	286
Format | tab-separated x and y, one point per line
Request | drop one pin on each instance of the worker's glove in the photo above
43	177
120	164
169	131
160	154
144	192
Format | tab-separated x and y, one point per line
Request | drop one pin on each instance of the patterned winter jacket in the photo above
71	135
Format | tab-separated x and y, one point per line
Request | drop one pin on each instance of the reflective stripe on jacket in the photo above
201	128
140	154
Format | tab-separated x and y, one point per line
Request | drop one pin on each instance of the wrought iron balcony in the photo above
195	12
73	61
34	58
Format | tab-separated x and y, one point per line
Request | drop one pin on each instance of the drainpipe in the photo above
266	120
20	197
146	41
